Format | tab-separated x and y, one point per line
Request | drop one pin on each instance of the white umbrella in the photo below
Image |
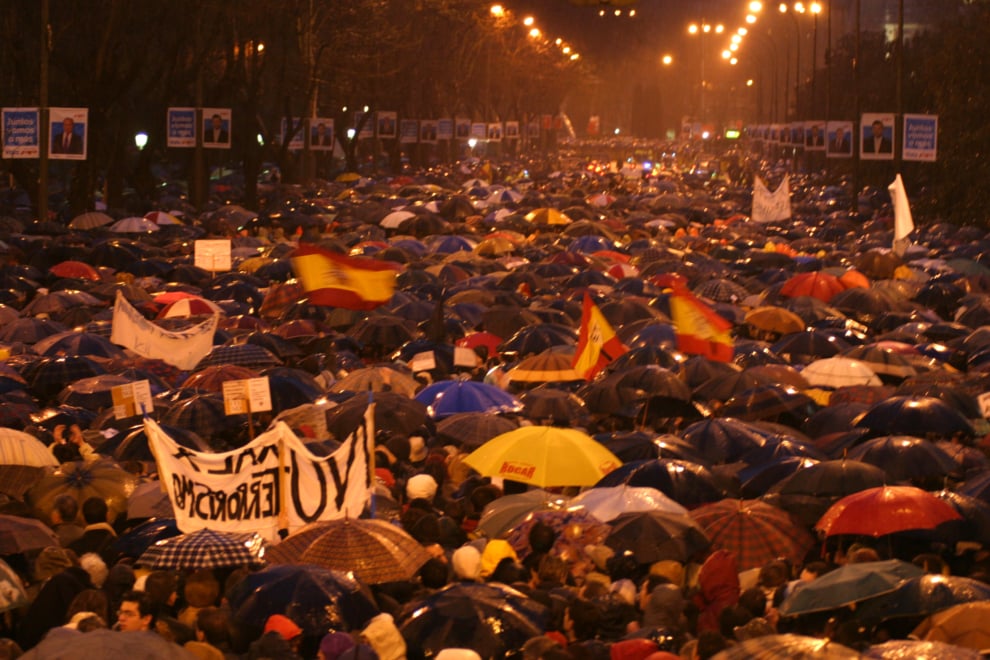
608	503
840	372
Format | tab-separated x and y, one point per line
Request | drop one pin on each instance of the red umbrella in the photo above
886	510
487	339
75	269
817	285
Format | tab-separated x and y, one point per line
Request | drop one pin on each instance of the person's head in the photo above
65	510
321	129
812	570
286	628
95	510
217	122
162	587
93	601
840	133
433	574
709	643
67	125
136	612
201	589
877	128
582	619
213	626
333	645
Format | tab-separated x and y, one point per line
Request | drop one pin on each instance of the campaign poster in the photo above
876	136
921	138
216	128
814	135
462	128
479	130
321	133
180	127
408	131
68	133
295	135
387	124
839	136
20	134
495	131
368	129
445	129
428	131
512	130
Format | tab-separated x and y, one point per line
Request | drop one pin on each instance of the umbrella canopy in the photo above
653	536
899	649
377	379
18	534
886	510
75	270
19	448
544	456
787	647
848	584
64	644
552	406
449	397
473	429
962	625
393	413
923	596
689	484
815	284
906	458
838	372
723	440
374	550
139	538
550	366
82	480
916	415
506	513
493	619
774	320
204	548
608	503
754	531
316	599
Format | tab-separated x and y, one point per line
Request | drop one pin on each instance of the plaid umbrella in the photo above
73	342
212	378
57	301
49	376
473	429
316	599
204	548
251	356
204	415
29	330
376	551
754	531
18	534
721	290
787	647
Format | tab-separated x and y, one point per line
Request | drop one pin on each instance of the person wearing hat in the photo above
466	562
64	579
333	645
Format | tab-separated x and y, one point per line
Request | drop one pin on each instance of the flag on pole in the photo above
597	342
336	280
903	222
700	331
771	207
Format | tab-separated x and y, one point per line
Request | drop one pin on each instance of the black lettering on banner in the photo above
297	496
248	501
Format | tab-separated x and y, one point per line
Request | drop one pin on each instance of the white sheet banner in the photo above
771	207
272	483
180	349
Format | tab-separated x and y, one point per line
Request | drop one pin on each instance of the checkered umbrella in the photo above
204	548
204	415
755	532
212	378
29	330
251	356
474	429
78	343
376	551
47	377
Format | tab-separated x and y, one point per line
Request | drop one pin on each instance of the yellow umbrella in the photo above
547	367
348	177
547	216
544	456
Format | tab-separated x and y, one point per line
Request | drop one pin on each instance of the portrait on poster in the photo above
216	128
68	133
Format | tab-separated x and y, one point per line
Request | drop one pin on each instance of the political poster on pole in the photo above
479	130
131	399
512	130
296	135
68	133
876	136
321	133
181	127
408	131
921	138
445	129
387	124
216	128
462	128
21	137
428	131
367	130
839	135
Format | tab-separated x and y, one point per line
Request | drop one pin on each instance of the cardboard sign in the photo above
212	255
423	362
131	399
246	396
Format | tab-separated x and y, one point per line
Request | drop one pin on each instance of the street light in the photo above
141	140
798	9
815	8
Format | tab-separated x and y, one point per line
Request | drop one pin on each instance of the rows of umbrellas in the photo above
851	410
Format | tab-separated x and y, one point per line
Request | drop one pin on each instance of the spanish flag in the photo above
700	331
597	342
336	280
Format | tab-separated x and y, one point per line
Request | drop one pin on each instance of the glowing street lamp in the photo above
498	11
141	140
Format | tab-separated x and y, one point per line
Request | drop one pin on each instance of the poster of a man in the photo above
814	136
67	139
321	134
839	139
216	128
877	137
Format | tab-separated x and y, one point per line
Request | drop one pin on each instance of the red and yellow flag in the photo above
336	280
700	331
597	343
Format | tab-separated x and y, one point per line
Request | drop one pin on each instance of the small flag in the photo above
336	280
700	331
771	207
597	342
903	222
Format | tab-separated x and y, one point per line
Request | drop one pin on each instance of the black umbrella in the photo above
317	599
723	440
906	458
653	536
922	596
688	484
492	619
914	415
394	413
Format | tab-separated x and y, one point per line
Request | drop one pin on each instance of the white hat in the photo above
466	561
421	486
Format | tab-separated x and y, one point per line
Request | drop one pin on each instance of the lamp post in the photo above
784	8
815	8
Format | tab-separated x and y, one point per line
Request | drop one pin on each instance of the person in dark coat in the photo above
98	536
48	610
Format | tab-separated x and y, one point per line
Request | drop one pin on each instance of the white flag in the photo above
180	349
770	207
903	222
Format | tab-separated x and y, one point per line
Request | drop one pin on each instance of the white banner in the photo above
771	207
180	349
272	483
903	222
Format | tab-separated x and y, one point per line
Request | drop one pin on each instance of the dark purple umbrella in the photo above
724	439
919	416
906	458
688	484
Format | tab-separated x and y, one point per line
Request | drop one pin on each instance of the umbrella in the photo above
63	644
553	406
916	415
574	529
393	413
449	397
493	619
608	503
962	625
787	647
204	548
133	225
193	306
374	550
815	284
839	371
82	480
73	342
770	402
251	356
19	448
18	534
754	531
723	440
922	596
139	538
885	510
550	366
90	220
75	270
149	500
847	584
906	458
776	320
377	379
316	599
212	378
832	479
653	536
900	649
689	484
507	512
544	456
473	429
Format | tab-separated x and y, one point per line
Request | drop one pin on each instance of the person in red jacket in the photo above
718	587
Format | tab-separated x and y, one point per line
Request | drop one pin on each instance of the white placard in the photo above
131	399
423	362
247	395
212	255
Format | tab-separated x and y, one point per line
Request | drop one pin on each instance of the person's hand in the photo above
59	434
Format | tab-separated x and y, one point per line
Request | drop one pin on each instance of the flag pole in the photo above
371	453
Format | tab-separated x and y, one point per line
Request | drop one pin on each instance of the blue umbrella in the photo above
136	540
449	397
317	599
